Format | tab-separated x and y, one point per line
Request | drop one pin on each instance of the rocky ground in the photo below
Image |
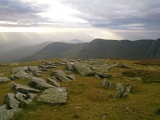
63	89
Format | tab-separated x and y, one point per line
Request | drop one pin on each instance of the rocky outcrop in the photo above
39	83
69	66
83	69
54	95
7	114
61	75
24	89
54	82
11	101
17	69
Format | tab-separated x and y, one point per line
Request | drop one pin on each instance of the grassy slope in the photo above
86	102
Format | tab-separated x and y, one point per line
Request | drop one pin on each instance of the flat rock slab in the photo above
23	74
6	114
17	69
11	101
39	83
54	82
24	89
33	68
54	95
83	69
4	79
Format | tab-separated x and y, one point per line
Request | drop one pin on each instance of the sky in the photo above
107	19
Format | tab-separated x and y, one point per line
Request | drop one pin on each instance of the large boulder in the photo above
54	95
6	114
39	83
83	69
22	74
17	69
105	67
24	89
69	66
4	79
33	68
11	101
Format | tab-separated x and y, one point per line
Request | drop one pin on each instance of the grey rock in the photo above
83	69
33	68
112	85
71	77
6	114
61	75
22	74
128	88
17	69
54	82
54	95
11	101
119	94
69	66
97	76
24	89
104	68
103	75
108	84
39	83
4	79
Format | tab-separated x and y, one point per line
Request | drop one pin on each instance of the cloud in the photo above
17	13
119	14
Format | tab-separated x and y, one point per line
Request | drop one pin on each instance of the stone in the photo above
17	69
119	94
83	69
25	98
103	75
39	83
22	74
54	82
54	95
24	89
71	77
61	75
104	68
7	114
4	79
128	88
33	68
11	101
69	66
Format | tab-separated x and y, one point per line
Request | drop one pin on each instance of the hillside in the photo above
77	94
112	49
19	53
57	50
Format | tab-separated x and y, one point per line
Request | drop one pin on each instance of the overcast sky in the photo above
108	19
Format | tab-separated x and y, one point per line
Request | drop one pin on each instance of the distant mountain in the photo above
125	49
99	49
75	41
57	50
19	53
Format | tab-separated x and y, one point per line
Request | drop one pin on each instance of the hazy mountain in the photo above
99	49
75	41
19	53
125	49
57	50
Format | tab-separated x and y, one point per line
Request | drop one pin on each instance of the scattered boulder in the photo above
119	87
105	67
24	89
61	75
22	74
121	94
39	83
69	66
54	95
108	84
4	79
11	101
7	114
83	69
17	69
25	98
33	68
54	82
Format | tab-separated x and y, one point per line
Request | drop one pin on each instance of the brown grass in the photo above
86	100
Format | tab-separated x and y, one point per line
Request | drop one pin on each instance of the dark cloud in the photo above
119	14
20	13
